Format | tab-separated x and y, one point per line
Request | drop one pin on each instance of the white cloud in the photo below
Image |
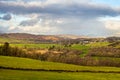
45	26
59	17
38	29
66	1
116	34
43	3
112	25
59	21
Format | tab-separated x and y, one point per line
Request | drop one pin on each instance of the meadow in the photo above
24	63
32	69
34	75
74	46
39	46
15	62
84	48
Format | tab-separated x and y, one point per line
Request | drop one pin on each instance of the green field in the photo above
35	45
24	63
60	69
10	40
16	62
108	58
98	44
74	46
34	75
84	48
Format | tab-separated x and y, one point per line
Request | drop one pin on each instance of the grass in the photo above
107	58
35	45
74	46
98	44
83	48
16	62
28	75
10	40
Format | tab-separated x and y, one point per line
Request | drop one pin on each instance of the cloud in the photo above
31	22
58	17
112	25
3	29
57	8
38	29
6	17
116	34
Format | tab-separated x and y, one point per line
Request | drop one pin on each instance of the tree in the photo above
6	48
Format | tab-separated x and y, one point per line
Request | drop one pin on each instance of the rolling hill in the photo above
31	38
37	65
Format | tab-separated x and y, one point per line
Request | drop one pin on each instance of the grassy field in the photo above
74	46
3	40
34	75
84	48
107	58
98	44
35	45
16	62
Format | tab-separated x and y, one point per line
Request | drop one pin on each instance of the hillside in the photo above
62	39
29	69
29	36
24	63
40	37
32	38
69	36
24	37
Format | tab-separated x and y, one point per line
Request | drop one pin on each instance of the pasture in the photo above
34	75
24	63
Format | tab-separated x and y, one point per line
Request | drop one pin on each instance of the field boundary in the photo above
27	69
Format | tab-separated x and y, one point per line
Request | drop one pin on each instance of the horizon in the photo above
47	17
64	35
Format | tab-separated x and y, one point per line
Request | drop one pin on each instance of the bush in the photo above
105	52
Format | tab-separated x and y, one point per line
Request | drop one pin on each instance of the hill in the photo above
70	36
64	38
28	69
24	63
30	37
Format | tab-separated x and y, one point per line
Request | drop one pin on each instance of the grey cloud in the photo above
79	10
78	18
85	27
3	29
22	0
6	29
6	17
31	22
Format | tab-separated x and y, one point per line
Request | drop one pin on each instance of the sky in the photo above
94	18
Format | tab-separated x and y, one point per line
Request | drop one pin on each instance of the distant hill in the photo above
25	36
31	38
22	36
69	36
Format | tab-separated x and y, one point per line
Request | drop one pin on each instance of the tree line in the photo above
68	56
